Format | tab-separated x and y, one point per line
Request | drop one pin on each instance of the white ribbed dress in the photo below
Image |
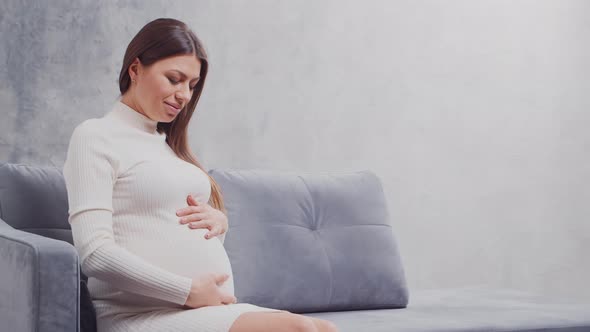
124	186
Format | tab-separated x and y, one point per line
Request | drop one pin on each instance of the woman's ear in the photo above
134	69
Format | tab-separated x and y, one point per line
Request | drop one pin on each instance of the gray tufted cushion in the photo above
306	243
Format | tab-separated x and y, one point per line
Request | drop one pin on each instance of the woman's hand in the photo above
205	292
203	215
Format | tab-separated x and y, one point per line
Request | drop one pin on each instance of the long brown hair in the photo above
161	38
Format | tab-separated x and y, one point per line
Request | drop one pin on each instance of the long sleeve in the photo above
90	171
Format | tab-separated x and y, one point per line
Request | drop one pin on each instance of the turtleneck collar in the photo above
135	119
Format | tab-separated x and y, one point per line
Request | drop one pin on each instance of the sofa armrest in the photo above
39	283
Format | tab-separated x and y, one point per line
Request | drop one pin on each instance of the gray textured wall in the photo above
473	113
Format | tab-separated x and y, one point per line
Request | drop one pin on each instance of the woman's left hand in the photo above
203	215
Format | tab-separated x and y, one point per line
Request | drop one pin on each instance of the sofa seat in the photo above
475	308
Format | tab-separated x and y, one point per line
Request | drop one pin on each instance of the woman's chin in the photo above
167	118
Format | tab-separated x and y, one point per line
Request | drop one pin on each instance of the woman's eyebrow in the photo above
184	75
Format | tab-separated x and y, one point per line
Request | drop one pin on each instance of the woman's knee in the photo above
271	322
302	323
325	325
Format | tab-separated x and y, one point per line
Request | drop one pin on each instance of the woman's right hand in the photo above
205	292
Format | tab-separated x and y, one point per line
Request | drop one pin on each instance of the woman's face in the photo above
163	89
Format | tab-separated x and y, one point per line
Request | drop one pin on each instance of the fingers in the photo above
200	224
190	200
190	210
221	278
214	231
228	299
193	217
225	297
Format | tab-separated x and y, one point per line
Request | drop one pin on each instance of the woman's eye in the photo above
176	82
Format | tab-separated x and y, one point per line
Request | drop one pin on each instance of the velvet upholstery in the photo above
46	289
323	242
469	309
279	222
39	288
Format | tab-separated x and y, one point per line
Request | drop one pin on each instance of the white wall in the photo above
473	113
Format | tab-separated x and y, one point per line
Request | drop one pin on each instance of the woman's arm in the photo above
90	171
102	258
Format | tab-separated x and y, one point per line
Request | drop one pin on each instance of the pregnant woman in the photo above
147	220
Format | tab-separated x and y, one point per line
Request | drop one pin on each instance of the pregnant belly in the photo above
184	251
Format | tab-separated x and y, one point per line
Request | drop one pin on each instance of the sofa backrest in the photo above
34	199
298	242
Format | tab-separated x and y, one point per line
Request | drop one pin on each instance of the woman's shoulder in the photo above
95	134
94	127
92	139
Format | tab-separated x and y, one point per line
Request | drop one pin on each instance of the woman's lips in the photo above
171	109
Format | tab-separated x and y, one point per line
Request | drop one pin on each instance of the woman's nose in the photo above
184	94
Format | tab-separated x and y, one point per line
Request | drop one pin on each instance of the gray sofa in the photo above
317	244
